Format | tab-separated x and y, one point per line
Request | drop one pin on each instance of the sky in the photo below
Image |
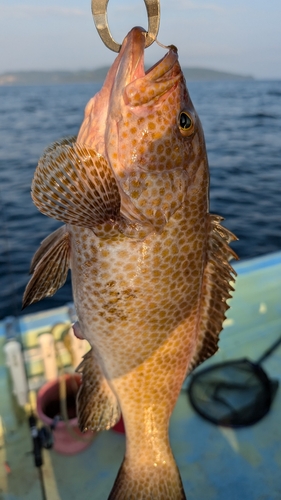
239	36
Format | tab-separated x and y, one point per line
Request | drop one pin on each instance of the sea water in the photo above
242	125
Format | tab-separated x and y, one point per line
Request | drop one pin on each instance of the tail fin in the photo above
148	482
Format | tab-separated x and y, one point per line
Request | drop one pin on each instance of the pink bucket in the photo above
67	437
119	427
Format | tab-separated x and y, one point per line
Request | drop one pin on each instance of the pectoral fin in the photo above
49	266
97	406
74	184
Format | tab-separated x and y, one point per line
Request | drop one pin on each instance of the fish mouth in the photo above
165	64
135	41
140	86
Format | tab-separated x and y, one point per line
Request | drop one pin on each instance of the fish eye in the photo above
185	123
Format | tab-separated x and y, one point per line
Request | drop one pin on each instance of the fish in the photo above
149	264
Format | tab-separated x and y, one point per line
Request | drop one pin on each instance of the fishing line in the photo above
168	47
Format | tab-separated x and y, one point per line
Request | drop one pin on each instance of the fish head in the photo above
145	126
152	124
144	119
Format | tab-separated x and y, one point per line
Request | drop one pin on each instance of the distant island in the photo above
98	76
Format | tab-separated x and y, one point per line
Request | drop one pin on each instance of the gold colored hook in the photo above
99	10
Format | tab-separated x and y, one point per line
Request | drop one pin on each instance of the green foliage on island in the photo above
99	74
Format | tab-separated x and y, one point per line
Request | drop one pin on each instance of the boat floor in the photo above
215	463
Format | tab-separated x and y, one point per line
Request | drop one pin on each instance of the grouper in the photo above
149	264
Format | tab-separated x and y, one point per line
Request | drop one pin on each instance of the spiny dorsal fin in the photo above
216	289
97	406
74	184
49	266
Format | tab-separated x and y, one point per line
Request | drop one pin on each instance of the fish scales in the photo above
149	264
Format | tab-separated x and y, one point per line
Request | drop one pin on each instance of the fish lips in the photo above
144	87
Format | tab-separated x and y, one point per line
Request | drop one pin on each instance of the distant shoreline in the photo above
98	75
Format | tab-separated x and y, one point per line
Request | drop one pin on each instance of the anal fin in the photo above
49	266
97	405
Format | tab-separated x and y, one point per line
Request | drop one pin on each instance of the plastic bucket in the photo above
119	427
67	437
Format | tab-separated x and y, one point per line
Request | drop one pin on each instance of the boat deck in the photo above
216	463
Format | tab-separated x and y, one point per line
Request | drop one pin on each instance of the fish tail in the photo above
148	482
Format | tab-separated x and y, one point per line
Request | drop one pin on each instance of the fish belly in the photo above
138	306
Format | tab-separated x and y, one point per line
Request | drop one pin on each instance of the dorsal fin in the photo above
49	266
216	289
74	184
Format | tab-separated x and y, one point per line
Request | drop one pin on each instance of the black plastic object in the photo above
46	437
37	445
236	393
40	437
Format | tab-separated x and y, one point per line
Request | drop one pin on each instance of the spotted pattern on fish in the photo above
154	194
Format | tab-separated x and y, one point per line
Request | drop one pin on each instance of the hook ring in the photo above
99	10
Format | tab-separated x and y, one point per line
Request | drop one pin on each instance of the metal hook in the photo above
99	8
